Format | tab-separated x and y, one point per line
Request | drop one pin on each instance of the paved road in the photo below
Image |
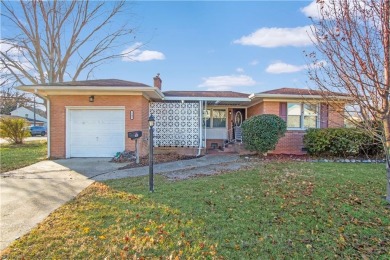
30	194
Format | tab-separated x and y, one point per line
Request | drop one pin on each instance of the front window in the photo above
207	117
300	115
219	118
310	116
294	115
215	118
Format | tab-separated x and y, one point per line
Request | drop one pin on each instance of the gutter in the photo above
283	96
200	128
219	99
96	89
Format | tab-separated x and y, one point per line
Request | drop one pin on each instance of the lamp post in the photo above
151	124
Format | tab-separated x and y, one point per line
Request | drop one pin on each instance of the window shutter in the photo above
324	116
283	110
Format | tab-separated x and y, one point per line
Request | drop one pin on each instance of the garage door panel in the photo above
96	132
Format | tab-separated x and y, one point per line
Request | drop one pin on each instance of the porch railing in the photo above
235	135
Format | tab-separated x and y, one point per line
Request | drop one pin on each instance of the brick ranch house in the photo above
92	118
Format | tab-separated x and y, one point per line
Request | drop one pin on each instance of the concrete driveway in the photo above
30	194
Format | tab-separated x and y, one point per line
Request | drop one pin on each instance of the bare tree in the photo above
11	100
56	41
352	42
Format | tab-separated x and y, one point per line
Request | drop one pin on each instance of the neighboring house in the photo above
92	118
29	115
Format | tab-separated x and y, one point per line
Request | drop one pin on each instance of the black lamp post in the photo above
151	124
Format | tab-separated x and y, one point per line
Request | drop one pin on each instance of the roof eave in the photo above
233	99
151	92
285	96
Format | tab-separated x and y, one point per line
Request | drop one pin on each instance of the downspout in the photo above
48	127
200	128
48	121
205	128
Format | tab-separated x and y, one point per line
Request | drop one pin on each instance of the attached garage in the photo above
95	131
91	118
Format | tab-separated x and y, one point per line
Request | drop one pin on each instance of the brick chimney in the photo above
157	81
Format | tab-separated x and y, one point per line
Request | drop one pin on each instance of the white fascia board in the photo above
221	99
65	90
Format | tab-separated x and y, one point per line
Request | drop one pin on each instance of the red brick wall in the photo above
255	110
220	142
335	119
190	151
271	108
58	104
291	143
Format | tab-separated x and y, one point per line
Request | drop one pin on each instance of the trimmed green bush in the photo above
14	128
340	142
261	133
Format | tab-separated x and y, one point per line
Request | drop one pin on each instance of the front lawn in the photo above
15	156
276	211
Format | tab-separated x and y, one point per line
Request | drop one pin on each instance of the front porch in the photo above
196	127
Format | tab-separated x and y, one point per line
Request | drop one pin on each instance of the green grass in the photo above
15	156
276	211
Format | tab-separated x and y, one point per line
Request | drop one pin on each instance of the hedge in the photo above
340	142
261	133
14	129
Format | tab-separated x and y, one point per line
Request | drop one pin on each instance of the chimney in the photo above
157	81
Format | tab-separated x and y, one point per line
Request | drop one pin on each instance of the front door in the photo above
238	118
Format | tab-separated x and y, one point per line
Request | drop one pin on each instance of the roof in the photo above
95	87
21	117
298	91
100	83
217	94
296	94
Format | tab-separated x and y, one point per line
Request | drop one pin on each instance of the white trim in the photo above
200	128
302	116
92	90
67	122
219	99
95	107
205	127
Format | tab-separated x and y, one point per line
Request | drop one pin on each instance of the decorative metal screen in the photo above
176	124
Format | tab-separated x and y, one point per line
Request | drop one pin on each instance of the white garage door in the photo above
96	133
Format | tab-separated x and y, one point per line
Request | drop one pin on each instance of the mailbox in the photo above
134	135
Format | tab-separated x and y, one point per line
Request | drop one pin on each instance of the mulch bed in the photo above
158	158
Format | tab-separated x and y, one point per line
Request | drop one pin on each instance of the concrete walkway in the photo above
30	194
98	169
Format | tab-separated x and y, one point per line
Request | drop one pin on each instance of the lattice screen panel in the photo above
176	124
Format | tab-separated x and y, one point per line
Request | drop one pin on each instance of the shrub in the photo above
14	129
340	142
261	133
